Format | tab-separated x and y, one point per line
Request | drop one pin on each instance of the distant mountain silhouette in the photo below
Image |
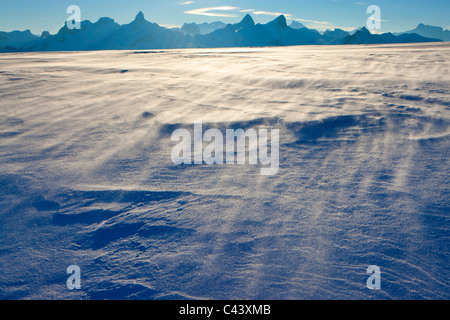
335	36
296	25
431	32
203	28
106	34
364	36
16	38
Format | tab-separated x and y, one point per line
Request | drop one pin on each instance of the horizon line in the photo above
321	30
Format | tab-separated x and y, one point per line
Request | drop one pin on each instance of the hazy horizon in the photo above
396	16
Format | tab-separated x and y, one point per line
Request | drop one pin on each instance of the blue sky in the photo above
396	15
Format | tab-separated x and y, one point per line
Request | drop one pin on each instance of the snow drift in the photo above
87	177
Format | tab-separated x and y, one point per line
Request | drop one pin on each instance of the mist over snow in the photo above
87	178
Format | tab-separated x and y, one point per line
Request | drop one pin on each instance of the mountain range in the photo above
204	28
431	32
106	34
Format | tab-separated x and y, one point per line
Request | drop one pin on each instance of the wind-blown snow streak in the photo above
87	177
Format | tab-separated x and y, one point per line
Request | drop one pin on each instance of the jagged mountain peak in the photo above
45	34
364	31
279	22
247	21
140	17
105	20
297	25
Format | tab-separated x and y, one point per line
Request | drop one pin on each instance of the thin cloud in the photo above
312	21
268	13
186	3
247	10
207	11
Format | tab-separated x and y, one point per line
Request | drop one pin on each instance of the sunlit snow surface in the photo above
87	179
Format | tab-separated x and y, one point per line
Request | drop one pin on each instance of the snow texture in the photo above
87	177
